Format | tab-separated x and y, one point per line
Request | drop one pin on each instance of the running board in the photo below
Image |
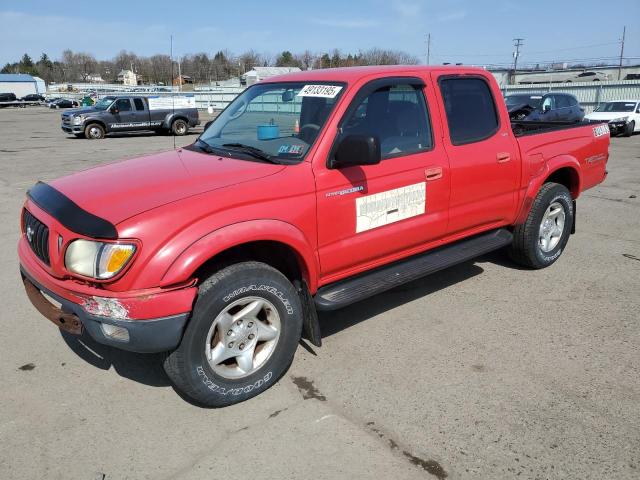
346	292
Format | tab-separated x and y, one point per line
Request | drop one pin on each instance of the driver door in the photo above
124	117
373	214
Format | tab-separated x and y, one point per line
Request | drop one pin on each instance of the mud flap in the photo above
310	323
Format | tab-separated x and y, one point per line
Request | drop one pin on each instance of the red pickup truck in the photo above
311	191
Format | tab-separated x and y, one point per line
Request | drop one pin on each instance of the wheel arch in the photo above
564	170
276	243
172	117
91	121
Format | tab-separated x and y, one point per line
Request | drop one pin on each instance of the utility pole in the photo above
516	54
624	31
428	47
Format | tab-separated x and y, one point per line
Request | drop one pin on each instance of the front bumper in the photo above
68	128
617	127
144	336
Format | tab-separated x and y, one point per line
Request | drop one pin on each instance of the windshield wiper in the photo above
205	147
253	151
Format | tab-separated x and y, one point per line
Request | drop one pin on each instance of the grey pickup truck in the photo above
124	113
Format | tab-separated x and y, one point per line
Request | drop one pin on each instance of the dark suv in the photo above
550	107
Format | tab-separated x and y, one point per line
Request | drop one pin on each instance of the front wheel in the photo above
243	333
629	128
94	131
540	240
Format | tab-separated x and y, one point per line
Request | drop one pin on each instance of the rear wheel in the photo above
629	128
94	131
243	333
179	127
539	241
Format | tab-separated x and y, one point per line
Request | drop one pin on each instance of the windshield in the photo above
616	107
104	103
278	120
531	100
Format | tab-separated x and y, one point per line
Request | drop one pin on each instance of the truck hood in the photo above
79	111
607	116
124	189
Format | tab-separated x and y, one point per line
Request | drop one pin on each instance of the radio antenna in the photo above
173	99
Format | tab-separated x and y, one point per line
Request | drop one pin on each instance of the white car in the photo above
623	116
564	77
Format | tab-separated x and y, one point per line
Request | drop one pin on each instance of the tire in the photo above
94	131
179	127
629	128
530	246
247	286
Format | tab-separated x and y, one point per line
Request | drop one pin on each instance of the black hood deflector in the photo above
72	216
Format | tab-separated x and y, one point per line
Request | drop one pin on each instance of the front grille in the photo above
37	234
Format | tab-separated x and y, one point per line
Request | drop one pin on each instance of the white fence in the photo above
589	94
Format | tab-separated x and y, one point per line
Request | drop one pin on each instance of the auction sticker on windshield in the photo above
322	91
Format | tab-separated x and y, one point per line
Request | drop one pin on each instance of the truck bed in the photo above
522	128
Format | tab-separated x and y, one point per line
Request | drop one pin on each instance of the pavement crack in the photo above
429	466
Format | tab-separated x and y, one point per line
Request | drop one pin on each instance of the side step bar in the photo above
346	292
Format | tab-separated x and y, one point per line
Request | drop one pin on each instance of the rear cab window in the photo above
470	109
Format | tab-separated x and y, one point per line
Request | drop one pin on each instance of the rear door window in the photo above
139	104
470	109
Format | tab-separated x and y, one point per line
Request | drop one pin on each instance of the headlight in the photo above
621	119
96	259
78	120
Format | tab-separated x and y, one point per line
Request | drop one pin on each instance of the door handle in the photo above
503	157
433	173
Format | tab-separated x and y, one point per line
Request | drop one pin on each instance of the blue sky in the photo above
473	32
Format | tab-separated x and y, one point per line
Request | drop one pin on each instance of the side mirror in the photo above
114	110
287	96
546	108
356	150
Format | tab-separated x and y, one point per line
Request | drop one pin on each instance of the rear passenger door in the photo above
141	114
483	153
373	214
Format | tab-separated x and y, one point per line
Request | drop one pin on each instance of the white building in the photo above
21	84
127	77
260	73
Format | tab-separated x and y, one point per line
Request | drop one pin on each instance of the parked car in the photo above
33	97
7	97
64	103
550	107
311	191
127	113
623	116
564	77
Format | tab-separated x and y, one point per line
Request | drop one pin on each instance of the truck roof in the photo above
352	74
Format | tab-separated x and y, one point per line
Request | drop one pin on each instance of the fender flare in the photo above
551	166
170	117
205	248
